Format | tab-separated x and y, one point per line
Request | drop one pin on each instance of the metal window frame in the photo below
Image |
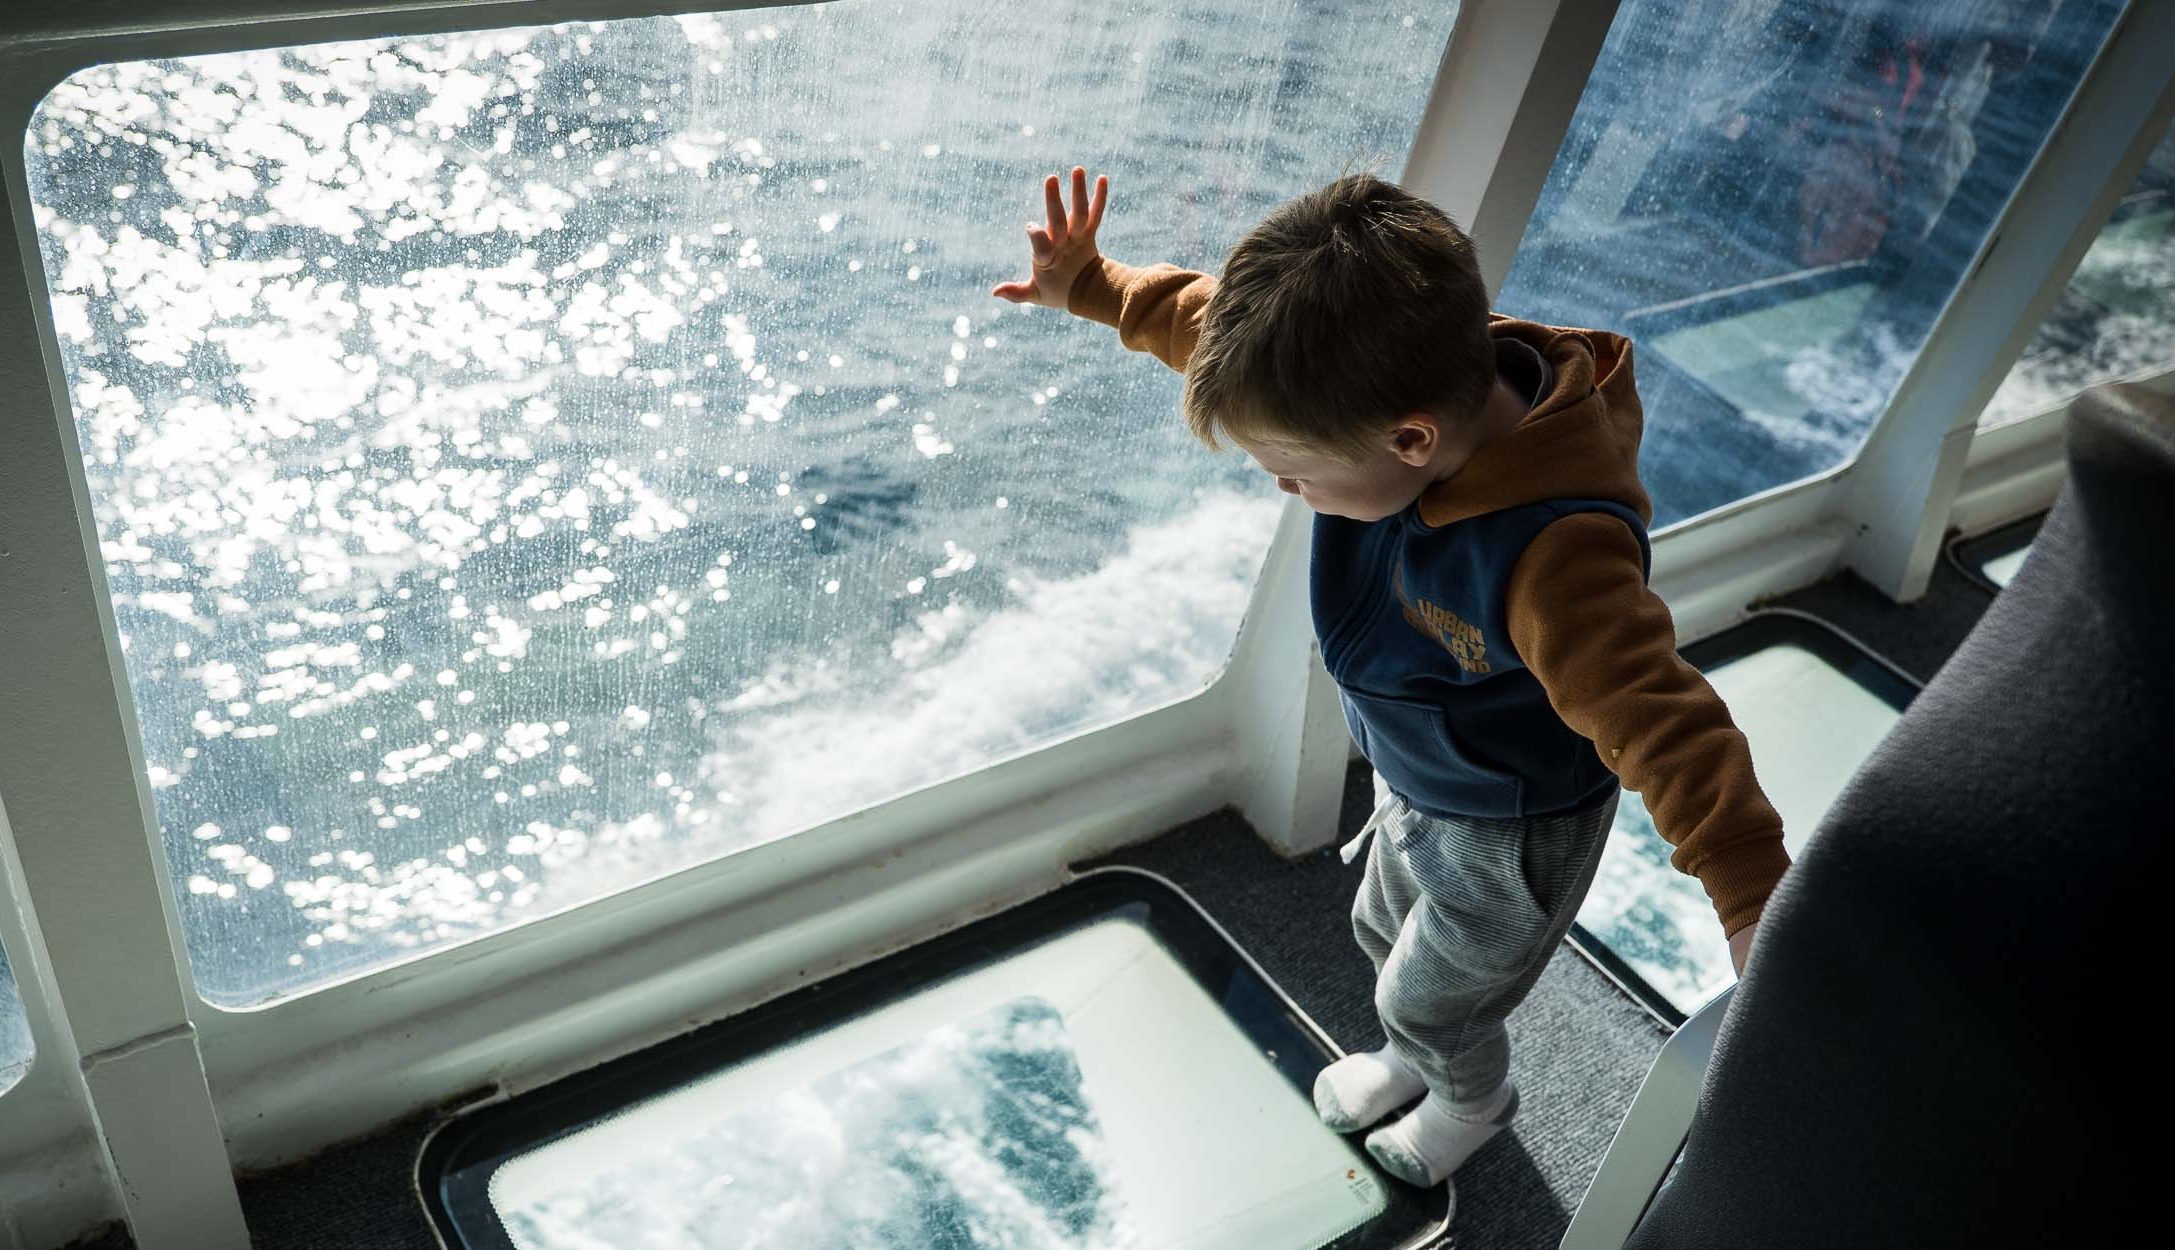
77	802
2015	469
522	1006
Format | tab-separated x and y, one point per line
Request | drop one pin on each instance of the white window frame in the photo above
2015	469
138	1067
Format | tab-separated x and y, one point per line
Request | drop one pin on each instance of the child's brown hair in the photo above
1343	311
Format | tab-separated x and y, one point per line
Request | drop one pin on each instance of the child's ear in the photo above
1416	438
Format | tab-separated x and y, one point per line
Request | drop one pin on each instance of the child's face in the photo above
1412	456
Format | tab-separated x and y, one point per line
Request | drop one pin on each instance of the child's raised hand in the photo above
1063	246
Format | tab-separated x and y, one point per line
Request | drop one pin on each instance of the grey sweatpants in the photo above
1460	916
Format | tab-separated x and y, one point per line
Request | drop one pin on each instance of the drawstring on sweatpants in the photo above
1350	850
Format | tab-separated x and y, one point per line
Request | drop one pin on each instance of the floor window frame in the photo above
457	1161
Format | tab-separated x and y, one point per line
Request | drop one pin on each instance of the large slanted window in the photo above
2116	318
530	462
1775	198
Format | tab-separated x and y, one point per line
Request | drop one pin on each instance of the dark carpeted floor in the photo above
1916	637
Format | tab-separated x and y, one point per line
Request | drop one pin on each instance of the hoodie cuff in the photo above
1739	879
1098	290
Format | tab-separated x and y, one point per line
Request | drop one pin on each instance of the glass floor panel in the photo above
1026	1096
1992	559
1812	704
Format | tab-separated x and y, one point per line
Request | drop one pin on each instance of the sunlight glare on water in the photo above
533	461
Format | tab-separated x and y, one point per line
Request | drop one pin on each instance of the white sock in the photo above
1425	1147
1357	1090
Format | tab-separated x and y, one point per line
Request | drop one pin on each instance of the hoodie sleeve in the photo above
1603	647
1157	309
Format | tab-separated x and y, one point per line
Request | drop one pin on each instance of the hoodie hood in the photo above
1580	441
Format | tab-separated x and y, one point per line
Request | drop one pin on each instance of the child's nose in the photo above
1288	486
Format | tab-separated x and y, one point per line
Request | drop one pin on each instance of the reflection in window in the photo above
2116	319
1775	198
1809	725
532	461
15	1049
1031	1101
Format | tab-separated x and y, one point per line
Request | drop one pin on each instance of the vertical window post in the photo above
44	1120
1289	724
1504	93
1510	80
76	801
1905	479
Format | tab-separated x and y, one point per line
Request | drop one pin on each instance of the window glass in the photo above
532	461
1032	1101
1774	198
15	1049
2116	319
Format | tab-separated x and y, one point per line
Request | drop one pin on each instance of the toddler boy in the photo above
1479	595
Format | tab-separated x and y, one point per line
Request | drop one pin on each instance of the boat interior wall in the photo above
134	1081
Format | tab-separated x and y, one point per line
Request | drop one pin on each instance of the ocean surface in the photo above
530	462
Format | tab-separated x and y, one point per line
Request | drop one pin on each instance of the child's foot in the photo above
1424	1148
1357	1090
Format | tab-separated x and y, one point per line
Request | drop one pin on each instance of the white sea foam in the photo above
1155	623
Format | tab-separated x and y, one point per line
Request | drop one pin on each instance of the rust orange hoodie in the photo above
1497	646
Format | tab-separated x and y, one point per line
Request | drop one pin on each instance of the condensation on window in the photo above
2116	318
15	1045
1775	198
529	462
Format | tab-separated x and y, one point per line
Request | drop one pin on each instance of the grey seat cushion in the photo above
1944	1036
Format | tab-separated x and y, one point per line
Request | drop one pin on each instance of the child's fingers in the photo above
1054	204
1017	292
1079	219
1040	243
1102	197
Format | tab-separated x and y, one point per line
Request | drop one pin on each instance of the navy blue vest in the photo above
1412	627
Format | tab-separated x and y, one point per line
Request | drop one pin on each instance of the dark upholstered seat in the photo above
1947	1033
